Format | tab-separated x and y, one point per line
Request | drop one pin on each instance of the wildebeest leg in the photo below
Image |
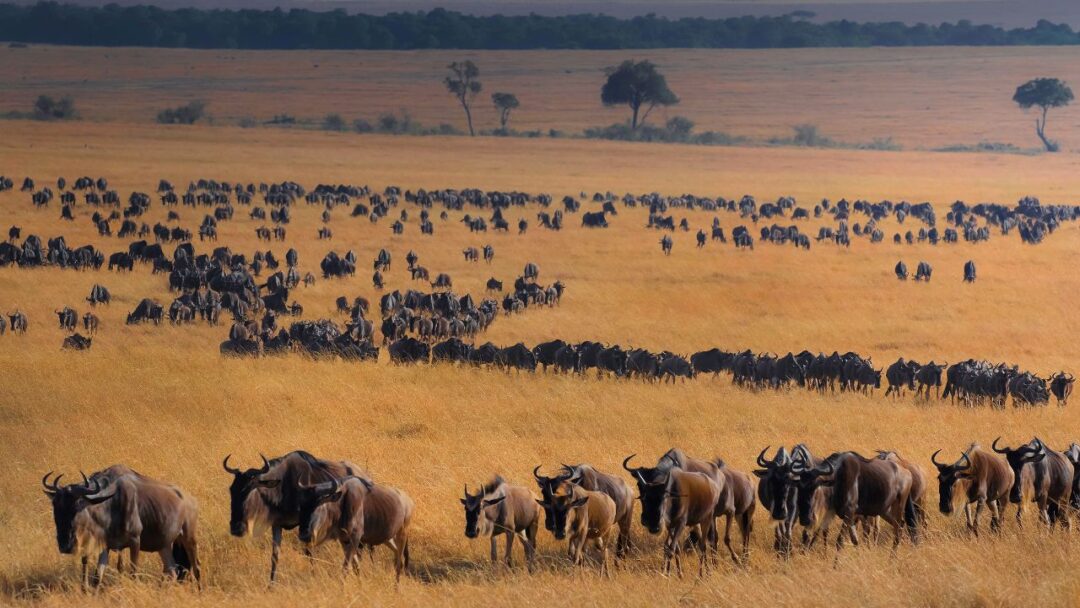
727	538
494	549
622	545
168	564
103	561
601	546
509	549
746	527
704	546
275	551
133	553
975	517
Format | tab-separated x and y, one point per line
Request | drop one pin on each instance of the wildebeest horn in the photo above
933	459
761	458
86	482
627	461
536	474
228	469
832	469
964	457
54	485
995	448
266	464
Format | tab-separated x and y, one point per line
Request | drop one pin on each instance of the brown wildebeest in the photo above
1047	473
77	342
499	508
985	480
737	497
592	480
118	508
357	513
917	497
861	487
270	495
583	515
681	501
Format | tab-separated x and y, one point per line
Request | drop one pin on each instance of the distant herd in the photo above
682	500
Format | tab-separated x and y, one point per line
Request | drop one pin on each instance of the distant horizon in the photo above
1000	13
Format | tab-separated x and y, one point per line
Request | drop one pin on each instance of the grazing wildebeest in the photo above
590	479
357	513
1048	473
99	295
969	271
500	509
19	322
583	515
923	272
118	508
494	285
986	480
1061	386
861	487
270	495
409	350
68	318
77	342
594	219
901	270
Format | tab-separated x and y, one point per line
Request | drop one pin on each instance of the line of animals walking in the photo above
682	499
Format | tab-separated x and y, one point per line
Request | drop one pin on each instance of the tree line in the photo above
113	25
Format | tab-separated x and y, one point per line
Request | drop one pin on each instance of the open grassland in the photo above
162	400
922	98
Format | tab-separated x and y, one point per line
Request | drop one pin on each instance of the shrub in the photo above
187	114
47	108
247	122
282	119
333	122
362	126
808	135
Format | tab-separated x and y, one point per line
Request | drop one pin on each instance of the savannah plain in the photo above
162	400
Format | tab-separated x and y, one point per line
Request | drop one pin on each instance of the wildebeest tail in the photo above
912	515
182	559
405	553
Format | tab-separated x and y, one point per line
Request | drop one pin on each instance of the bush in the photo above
247	122
282	119
808	135
187	114
47	108
362	126
333	122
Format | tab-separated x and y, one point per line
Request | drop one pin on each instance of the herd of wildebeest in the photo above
682	499
438	325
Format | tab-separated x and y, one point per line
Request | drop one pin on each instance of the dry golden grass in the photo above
163	401
923	98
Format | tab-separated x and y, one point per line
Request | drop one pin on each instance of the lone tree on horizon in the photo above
636	84
504	103
463	84
1045	93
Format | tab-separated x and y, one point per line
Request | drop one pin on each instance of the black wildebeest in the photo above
901	377
969	271
1048	473
500	509
901	270
985	479
594	219
118	508
1061	386
270	495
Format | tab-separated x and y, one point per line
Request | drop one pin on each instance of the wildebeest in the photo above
99	295
68	318
19	322
969	271
1061	386
1048	473
861	487
985	480
923	272
901	270
118	508
594	219
582	515
270	495
77	342
500	509
901	376
358	513
590	479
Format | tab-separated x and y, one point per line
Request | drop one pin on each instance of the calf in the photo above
357	513
502	509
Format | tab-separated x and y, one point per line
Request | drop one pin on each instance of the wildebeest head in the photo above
477	523
310	498
652	483
808	477
549	486
948	475
562	500
67	502
1031	452
776	483
244	486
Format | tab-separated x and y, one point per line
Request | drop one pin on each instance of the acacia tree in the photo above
504	103
636	84
463	84
1044	93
